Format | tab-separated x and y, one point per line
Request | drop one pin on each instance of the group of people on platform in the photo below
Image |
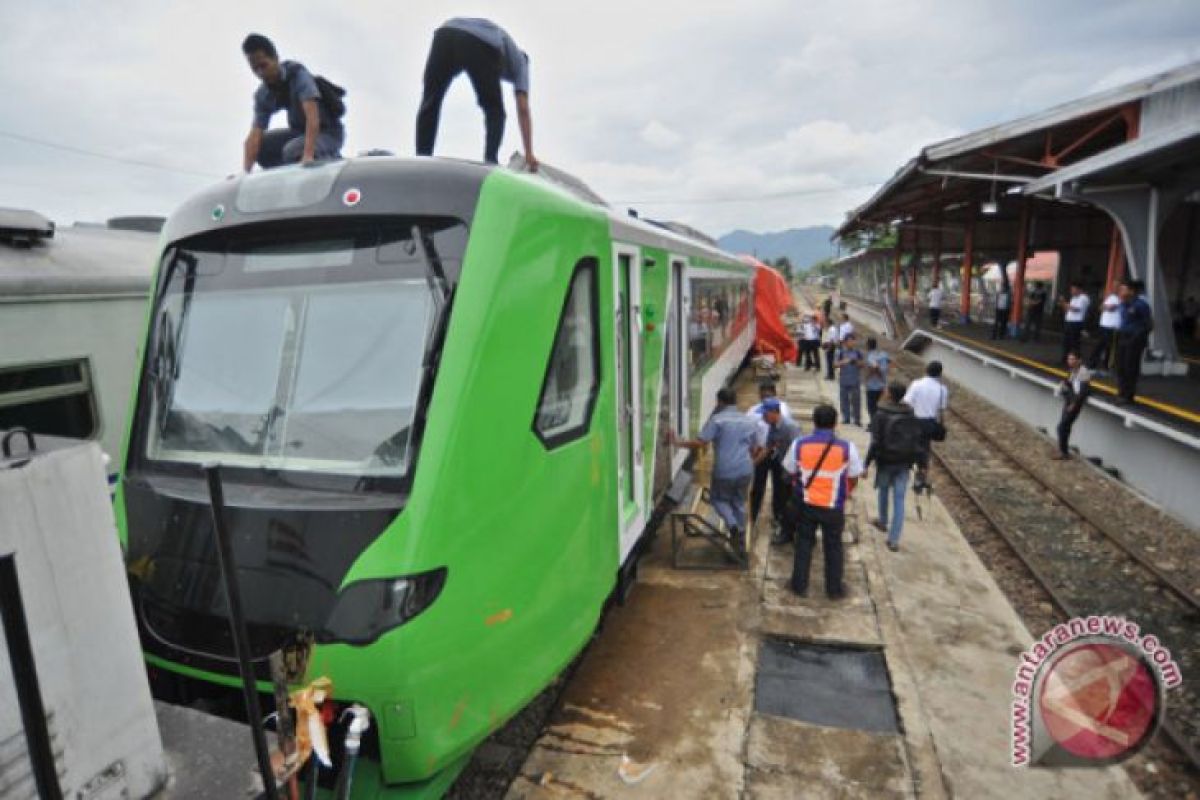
813	476
1122	332
314	105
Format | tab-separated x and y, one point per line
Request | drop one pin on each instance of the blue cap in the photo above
771	404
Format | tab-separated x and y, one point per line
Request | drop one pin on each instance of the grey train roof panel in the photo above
78	261
386	185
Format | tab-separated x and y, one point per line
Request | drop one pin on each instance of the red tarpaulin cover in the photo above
772	297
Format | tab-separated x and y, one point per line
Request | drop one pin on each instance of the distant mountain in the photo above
803	246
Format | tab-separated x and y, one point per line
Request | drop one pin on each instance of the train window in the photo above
54	399
573	375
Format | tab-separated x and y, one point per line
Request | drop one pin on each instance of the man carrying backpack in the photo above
897	441
314	130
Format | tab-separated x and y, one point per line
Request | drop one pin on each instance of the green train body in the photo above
450	573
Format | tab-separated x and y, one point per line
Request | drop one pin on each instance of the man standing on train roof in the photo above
313	131
737	442
486	52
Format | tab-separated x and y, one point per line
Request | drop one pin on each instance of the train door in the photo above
631	486
668	460
678	322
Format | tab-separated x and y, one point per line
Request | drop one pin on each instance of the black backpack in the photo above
331	94
901	439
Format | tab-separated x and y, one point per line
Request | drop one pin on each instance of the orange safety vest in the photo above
830	486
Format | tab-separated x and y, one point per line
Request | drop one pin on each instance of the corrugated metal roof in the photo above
1084	106
1184	135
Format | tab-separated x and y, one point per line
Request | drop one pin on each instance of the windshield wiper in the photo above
433	264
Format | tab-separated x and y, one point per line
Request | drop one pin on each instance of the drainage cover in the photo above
841	687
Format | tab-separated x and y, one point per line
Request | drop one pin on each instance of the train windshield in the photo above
303	354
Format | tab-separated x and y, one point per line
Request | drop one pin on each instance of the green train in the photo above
439	392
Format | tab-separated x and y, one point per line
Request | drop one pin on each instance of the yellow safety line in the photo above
1147	401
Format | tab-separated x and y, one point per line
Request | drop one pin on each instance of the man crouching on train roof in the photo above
314	130
737	444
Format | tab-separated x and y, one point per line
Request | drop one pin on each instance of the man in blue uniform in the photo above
737	442
313	130
486	52
1132	337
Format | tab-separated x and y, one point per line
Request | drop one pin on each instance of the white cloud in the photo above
658	135
762	114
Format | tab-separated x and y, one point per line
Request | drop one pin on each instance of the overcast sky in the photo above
675	106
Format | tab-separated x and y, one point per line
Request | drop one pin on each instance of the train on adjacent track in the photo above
439	393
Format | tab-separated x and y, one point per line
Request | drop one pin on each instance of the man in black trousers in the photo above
483	50
1132	337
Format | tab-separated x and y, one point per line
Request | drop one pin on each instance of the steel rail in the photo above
1177	738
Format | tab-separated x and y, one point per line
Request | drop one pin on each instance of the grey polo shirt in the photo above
301	86
514	63
732	434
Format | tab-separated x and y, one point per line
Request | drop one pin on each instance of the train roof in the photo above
39	260
675	237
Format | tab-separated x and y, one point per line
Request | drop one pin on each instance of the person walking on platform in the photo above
877	364
810	344
1035	314
826	470
1074	391
849	364
929	399
845	329
935	304
767	391
830	345
1000	323
486	52
1076	308
736	444
897	440
1106	342
1132	337
314	130
777	432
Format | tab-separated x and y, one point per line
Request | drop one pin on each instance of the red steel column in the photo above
912	272
1116	261
1018	298
896	266
937	253
968	264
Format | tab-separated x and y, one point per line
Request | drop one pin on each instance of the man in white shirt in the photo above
845	329
935	304
929	399
829	343
1076	308
810	344
1106	347
1000	322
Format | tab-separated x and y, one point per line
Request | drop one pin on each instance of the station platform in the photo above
1173	400
680	695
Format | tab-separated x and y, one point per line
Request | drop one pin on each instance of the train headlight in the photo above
367	609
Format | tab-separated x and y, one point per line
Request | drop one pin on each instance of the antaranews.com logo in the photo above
1090	692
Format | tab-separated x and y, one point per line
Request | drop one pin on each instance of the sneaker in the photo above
880	525
798	592
1060	457
842	595
919	484
893	546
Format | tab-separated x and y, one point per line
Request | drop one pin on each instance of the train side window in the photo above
50	398
569	390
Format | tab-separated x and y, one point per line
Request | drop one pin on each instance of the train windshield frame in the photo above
299	355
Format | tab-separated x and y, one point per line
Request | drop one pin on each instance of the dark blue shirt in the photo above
296	86
1135	318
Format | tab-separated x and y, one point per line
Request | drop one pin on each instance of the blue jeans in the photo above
895	479
285	146
851	399
729	500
